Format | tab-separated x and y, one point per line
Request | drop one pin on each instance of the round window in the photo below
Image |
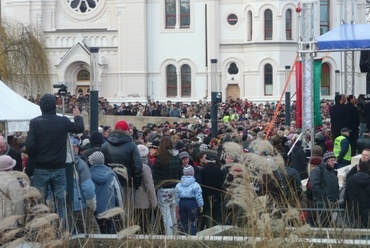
83	6
232	19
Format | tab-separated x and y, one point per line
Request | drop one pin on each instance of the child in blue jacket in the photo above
190	200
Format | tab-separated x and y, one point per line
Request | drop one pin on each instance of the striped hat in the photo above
188	170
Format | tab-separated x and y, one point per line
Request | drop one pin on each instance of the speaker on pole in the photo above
365	61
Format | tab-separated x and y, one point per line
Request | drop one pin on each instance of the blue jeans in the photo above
54	179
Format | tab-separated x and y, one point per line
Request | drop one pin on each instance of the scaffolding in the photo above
307	50
349	56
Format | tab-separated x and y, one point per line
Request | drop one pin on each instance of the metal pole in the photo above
337	84
94	94
214	98
287	98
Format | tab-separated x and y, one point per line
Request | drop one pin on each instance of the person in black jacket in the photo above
298	160
47	149
120	151
325	188
338	118
353	122
364	141
357	196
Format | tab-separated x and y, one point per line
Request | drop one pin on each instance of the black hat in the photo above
343	130
96	138
154	144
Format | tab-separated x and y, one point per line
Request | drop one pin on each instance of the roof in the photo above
345	37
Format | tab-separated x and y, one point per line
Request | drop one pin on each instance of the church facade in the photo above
162	49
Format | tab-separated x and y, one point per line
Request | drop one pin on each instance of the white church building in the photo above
162	48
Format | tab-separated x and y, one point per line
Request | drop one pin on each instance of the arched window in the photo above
171	81
324	16
325	79
268	81
249	25
83	75
268	24
288	24
185	81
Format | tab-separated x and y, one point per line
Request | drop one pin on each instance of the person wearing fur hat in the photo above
325	187
190	200
11	201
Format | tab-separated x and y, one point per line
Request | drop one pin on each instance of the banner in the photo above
317	93
298	79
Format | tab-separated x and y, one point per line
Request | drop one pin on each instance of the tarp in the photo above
15	110
345	37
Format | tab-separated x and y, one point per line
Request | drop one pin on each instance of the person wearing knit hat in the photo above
325	187
329	155
122	125
188	171
190	200
106	188
119	149
145	196
11	201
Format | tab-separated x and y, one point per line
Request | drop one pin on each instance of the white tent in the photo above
15	110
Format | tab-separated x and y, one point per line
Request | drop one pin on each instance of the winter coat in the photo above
11	201
120	149
47	136
212	178
145	196
324	185
363	142
107	189
188	188
357	194
83	187
298	161
170	171
338	118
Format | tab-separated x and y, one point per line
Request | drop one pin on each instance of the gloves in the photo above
201	209
91	204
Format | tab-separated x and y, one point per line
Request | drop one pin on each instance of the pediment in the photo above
78	52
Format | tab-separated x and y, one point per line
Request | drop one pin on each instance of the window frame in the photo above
268	79
185	80
324	16
170	15
171	80
268	21
288	24
325	79
184	15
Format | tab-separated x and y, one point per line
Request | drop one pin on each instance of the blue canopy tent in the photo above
346	37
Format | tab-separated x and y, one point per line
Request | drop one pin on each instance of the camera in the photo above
62	89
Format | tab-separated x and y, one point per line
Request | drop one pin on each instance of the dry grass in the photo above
257	218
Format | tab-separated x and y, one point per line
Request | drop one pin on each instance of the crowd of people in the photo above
188	175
